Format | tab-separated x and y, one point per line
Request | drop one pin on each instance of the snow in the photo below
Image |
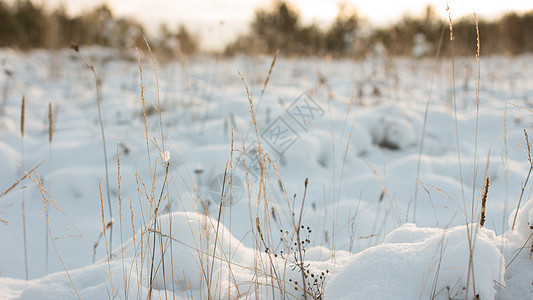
360	215
427	263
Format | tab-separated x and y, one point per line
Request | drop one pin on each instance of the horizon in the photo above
219	23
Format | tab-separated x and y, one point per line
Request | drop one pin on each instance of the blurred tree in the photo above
276	28
99	23
181	42
8	26
511	31
340	37
188	44
310	40
29	21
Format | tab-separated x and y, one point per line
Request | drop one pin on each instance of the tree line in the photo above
25	25
350	35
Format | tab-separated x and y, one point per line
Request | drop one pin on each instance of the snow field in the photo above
359	203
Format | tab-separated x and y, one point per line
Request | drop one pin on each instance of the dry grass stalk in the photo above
158	107
156	211
297	227
450	19
97	82
250	101
47	219
143	103
426	112
478	83
477	37
132	223
524	185
119	180
104	230
50	137
223	195
340	181
14	185
50	123
484	202
22	115
528	147
470	274
270	71
520	250
262	193
22	125
48	200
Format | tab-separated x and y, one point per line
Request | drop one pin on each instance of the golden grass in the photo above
484	202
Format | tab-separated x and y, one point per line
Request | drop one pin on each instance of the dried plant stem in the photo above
484	202
119	180
470	274
426	112
47	219
524	185
22	116
297	227
268	76
22	124
156	211
158	107
50	123
104	230
478	82
50	138
90	65
14	185
520	250
143	104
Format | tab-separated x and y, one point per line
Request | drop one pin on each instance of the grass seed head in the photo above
22	115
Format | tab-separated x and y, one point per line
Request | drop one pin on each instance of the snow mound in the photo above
524	222
421	263
395	128
188	243
91	282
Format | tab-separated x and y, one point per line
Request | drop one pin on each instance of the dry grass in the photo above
47	218
97	82
484	202
269	273
50	138
527	151
16	183
24	230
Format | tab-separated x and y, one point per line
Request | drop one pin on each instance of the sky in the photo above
218	21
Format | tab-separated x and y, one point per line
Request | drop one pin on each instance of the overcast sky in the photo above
218	20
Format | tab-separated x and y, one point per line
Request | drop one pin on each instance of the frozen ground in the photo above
378	233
